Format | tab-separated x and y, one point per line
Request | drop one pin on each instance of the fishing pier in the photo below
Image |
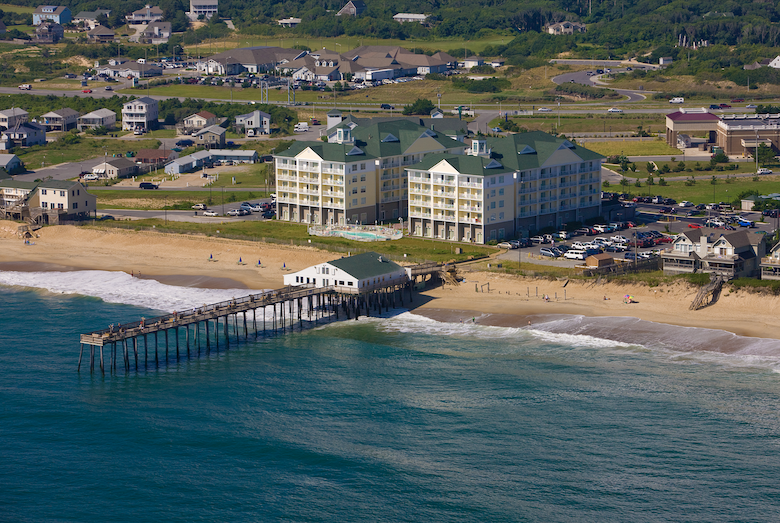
208	327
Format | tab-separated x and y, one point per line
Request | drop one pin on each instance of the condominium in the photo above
358	176
504	187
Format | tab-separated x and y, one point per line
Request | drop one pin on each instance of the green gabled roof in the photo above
366	265
57	184
543	145
332	152
464	164
404	133
13	184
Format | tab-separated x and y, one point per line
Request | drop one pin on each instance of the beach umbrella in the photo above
239	259
284	265
211	256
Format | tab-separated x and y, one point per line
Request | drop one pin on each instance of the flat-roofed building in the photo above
690	121
741	134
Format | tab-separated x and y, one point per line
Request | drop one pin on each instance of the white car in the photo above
199	207
764	170
544	110
619	239
210	213
615	110
574	254
91	177
504	245
685	203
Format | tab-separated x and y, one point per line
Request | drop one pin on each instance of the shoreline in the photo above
212	263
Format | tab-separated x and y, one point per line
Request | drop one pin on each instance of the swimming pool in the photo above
358	233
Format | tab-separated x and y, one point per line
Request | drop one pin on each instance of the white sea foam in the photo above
120	287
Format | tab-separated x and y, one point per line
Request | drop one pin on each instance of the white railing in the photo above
415	214
386	188
388	199
470	184
470	208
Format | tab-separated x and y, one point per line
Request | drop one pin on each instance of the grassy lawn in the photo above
703	191
590	123
148	200
162	133
253	175
652	147
258	230
690	169
57	152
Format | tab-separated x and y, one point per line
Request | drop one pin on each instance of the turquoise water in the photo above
358	235
392	419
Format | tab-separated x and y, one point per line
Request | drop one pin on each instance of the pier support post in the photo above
166	345
127	357
254	321
177	342
135	352
102	371
91	358
208	341
81	353
246	330
146	347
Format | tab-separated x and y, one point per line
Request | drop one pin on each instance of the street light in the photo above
223	201
166	209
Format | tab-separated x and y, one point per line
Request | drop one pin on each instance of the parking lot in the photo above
650	220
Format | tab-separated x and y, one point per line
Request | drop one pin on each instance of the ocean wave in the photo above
682	344
120	287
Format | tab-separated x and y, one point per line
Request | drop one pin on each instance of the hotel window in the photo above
362	201
492	205
75	205
500	203
354	190
501	192
43	192
493	193
363	188
354	179
44	204
60	206
501	180
362	177
501	216
362	167
354	201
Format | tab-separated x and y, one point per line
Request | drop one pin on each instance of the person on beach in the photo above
605	297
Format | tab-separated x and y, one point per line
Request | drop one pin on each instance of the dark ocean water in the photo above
391	419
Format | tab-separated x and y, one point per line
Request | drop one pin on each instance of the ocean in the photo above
397	418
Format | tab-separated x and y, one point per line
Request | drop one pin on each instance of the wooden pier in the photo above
206	327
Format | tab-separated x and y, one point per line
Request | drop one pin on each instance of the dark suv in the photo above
148	185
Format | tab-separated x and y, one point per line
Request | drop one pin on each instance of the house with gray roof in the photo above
101	35
156	33
248	59
51	13
734	255
254	123
146	15
23	135
504	188
357	274
100	118
61	120
88	19
211	137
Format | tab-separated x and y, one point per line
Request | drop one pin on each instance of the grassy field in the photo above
161	133
344	43
148	200
57	152
652	147
591	123
257	230
703	191
17	8
641	172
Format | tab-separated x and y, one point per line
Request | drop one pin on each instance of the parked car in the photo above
619	239
695	226
686	203
185	143
574	254
269	214
246	206
585	230
200	207
658	199
148	185
665	210
538	239
504	245
630	225
210	213
549	252
91	177
233	212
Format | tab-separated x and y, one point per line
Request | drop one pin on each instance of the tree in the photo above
764	154
650	167
420	106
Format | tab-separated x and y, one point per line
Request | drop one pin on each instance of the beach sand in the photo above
512	301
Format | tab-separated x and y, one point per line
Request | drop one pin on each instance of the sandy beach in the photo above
511	301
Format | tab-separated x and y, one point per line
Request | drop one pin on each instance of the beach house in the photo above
51	13
198	121
254	123
100	118
113	168
734	255
60	120
355	274
9	118
140	113
146	15
211	137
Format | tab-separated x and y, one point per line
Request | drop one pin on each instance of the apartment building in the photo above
358	176
503	188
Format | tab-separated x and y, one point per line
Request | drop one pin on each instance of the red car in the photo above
725	106
630	225
663	239
87	91
695	225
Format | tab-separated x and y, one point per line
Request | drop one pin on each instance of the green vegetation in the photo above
148	200
706	192
295	233
73	148
631	148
